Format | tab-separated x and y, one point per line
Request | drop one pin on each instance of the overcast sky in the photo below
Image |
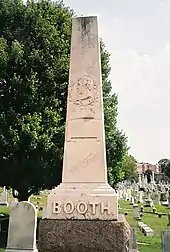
137	35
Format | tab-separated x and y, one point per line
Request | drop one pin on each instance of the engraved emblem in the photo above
83	94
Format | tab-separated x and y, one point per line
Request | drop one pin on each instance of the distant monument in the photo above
77	207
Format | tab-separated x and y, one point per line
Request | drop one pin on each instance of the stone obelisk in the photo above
82	212
84	192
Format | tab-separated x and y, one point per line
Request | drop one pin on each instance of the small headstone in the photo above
22	228
132	201
133	242
163	197
140	200
157	198
4	198
136	212
148	200
14	202
148	231
165	241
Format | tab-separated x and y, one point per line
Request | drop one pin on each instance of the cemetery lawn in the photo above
37	200
153	243
145	244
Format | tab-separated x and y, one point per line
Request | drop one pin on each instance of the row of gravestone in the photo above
159	197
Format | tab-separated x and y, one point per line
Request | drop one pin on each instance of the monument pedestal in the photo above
21	250
82	201
84	235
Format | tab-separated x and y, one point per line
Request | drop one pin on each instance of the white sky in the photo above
137	35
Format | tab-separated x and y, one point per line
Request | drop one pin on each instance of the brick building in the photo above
143	167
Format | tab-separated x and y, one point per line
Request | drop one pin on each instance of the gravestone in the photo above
136	212
4	198
140	199
165	241
157	198
22	228
133	243
77	208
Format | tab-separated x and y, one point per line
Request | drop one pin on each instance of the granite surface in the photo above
84	235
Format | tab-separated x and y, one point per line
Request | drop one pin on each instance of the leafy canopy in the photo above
34	68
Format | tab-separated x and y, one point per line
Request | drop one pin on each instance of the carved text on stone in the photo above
81	207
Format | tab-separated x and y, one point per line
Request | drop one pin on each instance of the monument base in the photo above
85	201
84	235
21	250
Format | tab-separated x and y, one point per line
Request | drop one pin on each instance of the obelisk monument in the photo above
84	192
81	214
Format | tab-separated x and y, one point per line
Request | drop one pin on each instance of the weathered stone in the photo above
84	192
133	243
84	235
136	212
22	228
81	214
148	231
165	241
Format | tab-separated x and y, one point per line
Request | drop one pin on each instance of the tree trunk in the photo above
23	196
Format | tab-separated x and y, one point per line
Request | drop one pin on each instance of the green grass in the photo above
153	243
38	200
145	244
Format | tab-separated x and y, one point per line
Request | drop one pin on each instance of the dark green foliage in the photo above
165	166
116	142
163	163
34	68
34	65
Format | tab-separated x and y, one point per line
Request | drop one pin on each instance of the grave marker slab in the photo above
165	241
22	228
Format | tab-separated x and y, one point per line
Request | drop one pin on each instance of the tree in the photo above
129	168
163	164
34	65
116	142
34	68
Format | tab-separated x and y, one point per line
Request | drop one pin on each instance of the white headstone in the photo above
84	192
4	198
22	228
140	197
157	198
136	212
